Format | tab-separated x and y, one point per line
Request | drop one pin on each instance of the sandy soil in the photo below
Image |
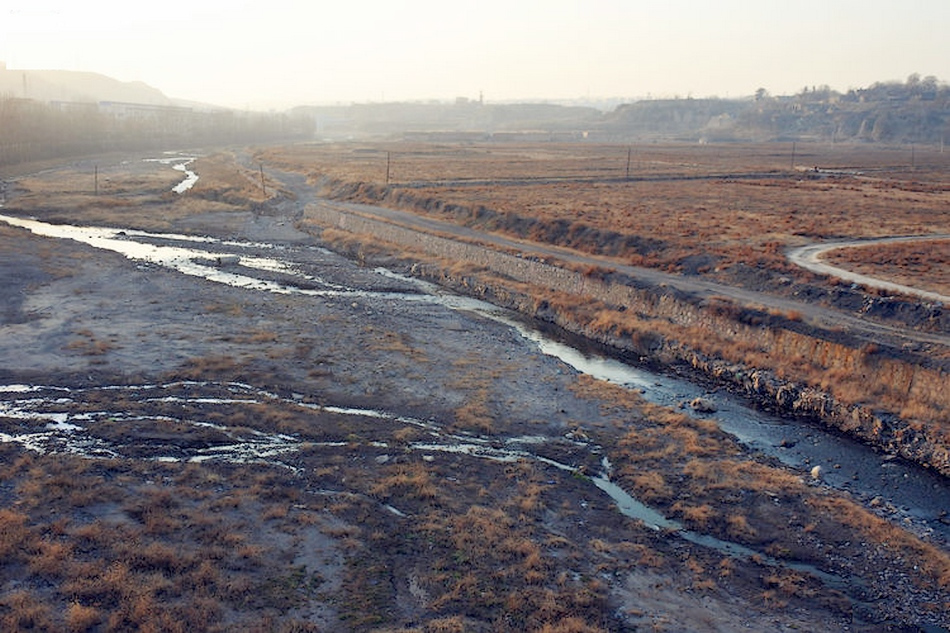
406	518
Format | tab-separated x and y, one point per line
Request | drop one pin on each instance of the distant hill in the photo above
915	111
674	118
435	120
73	86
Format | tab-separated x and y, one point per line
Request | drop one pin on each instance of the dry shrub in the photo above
651	486
21	611
50	559
475	414
410	481
570	625
453	624
14	534
81	618
931	559
389	341
738	526
730	474
790	584
697	516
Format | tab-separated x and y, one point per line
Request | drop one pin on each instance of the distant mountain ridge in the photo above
77	86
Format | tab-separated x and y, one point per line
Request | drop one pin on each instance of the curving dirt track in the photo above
810	258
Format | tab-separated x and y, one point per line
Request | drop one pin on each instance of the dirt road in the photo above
810	258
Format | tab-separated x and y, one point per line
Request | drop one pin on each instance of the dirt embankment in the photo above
885	396
651	252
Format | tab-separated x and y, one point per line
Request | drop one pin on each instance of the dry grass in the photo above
924	264
222	179
931	559
582	189
140	194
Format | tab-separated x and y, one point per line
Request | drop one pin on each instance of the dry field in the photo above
117	193
717	210
926	264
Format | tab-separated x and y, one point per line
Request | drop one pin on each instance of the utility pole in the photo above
388	164
97	180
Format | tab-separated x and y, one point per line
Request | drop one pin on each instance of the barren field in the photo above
724	211
264	435
924	263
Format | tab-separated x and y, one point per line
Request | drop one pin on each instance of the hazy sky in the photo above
274	53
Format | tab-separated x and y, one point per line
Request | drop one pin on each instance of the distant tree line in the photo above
32	130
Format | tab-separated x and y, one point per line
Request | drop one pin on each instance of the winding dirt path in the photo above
810	258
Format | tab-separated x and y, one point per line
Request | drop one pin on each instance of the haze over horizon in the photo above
286	52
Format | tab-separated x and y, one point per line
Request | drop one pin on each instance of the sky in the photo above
281	53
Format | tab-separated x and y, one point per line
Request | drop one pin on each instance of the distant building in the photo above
122	110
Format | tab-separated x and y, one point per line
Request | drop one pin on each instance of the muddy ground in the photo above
360	461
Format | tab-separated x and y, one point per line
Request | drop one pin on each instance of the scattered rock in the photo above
816	473
227	260
702	405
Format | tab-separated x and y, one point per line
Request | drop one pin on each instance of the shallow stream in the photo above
918	497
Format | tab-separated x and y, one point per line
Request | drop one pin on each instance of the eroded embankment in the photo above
897	403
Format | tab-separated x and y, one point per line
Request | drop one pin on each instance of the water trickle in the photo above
917	494
179	163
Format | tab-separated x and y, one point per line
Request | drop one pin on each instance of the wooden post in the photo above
263	184
629	152
388	163
97	181
793	155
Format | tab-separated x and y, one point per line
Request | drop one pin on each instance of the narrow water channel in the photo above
902	489
180	163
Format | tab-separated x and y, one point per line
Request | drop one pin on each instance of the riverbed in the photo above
900	489
235	346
